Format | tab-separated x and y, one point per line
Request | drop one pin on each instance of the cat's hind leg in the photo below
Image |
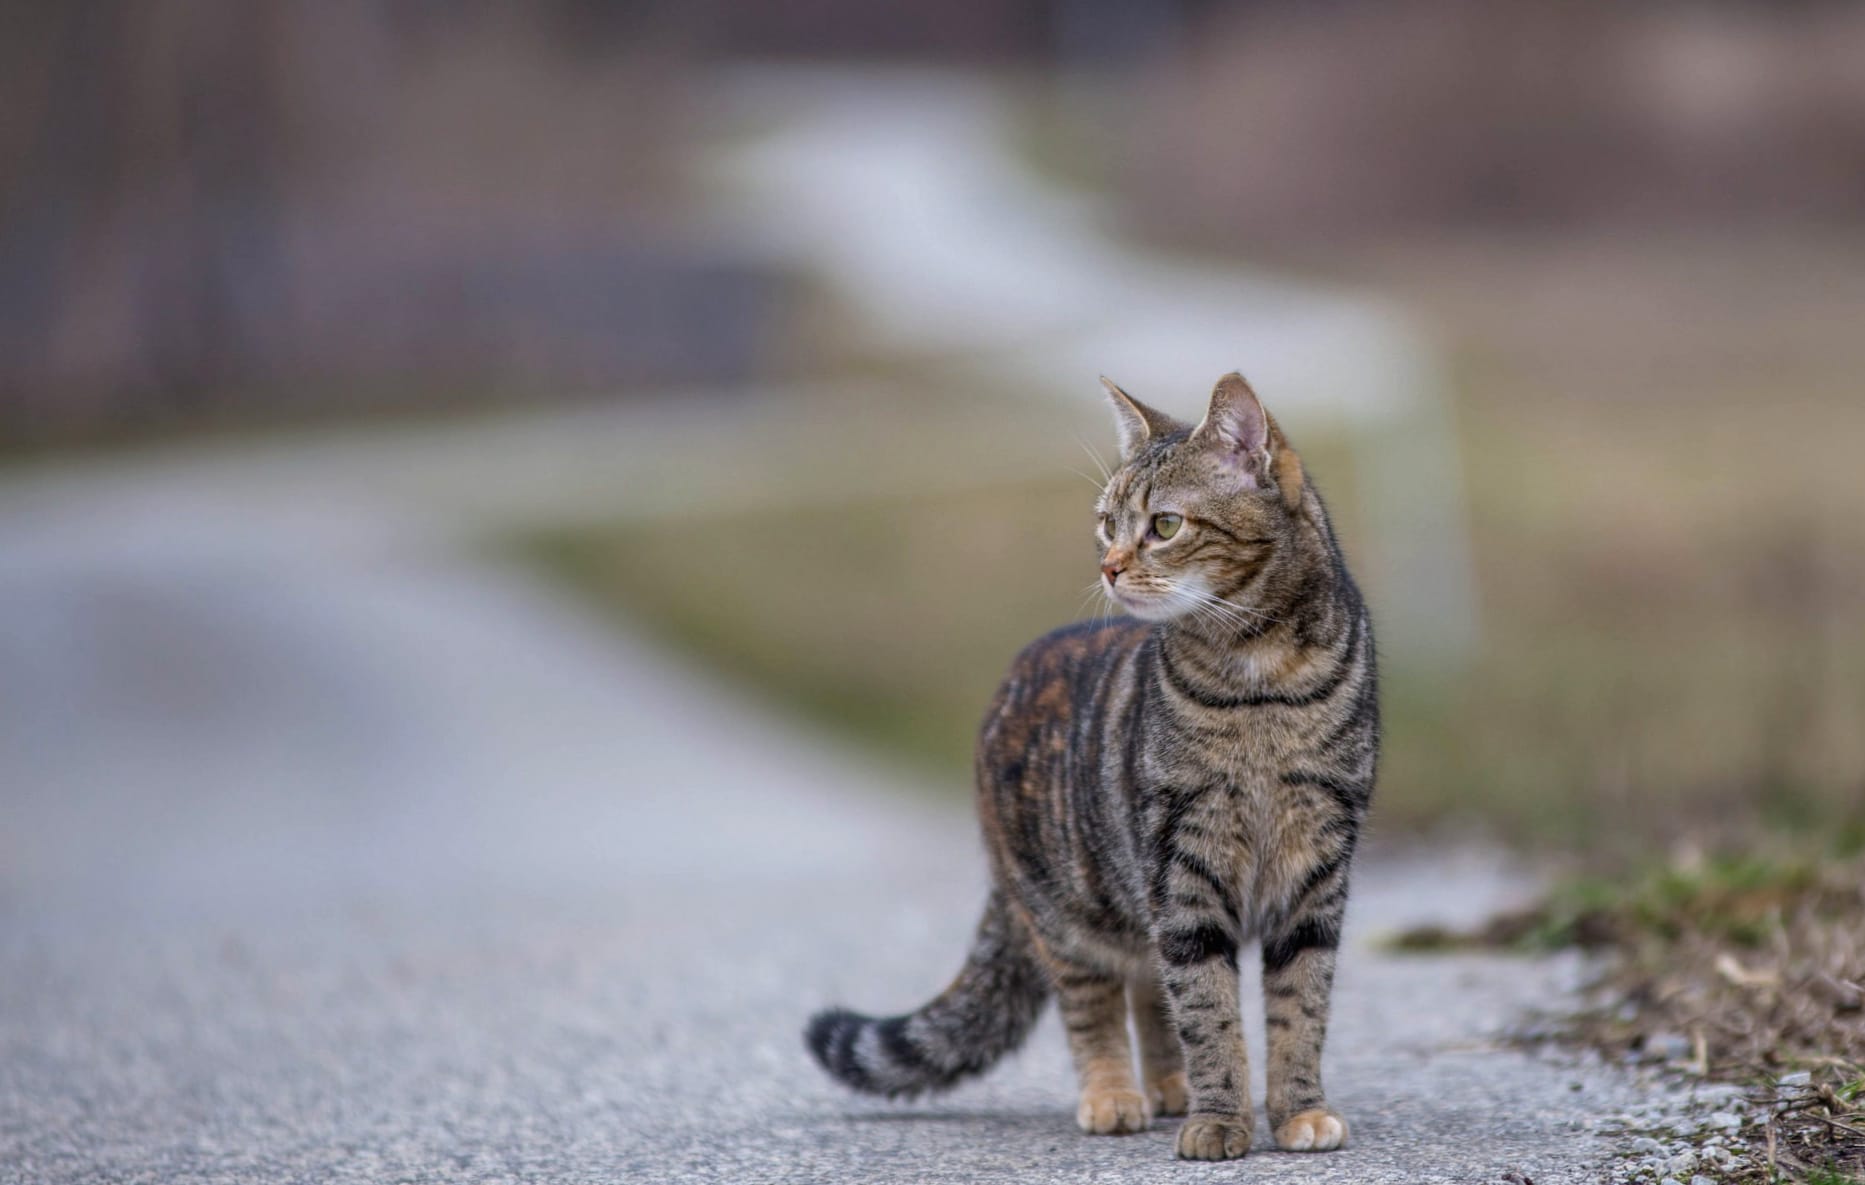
1162	1060
1094	1013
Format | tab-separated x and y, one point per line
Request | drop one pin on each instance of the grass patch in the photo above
1667	524
258	415
1742	968
1650	656
890	620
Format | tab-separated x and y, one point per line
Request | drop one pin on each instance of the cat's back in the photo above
1050	736
1058	677
1048	719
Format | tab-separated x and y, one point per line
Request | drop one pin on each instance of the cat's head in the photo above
1193	515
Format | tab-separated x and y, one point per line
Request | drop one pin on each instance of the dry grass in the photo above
1668	529
1655	654
1748	969
891	620
1764	977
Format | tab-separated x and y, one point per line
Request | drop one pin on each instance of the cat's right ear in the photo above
1136	422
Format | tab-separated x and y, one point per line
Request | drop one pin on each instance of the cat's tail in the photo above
985	1013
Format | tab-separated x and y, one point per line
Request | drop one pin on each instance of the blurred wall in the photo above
237	208
1292	120
209	204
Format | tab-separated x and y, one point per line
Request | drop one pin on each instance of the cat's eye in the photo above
1107	526
1165	526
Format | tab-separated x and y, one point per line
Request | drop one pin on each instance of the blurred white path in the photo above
906	192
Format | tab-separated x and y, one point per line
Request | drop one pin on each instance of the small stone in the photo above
1727	1120
1700	1179
1798	1078
1670	1047
1646	1146
1670	1181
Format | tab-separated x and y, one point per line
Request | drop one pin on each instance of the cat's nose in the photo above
1112	569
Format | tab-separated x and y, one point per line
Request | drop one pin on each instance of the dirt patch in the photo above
1742	970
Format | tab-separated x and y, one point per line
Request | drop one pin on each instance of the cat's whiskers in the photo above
1096	589
1209	598
1214	610
1233	607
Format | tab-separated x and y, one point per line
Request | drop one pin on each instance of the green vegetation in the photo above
1736	900
1659	656
890	619
1744	968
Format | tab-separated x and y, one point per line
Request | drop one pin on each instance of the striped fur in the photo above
1158	790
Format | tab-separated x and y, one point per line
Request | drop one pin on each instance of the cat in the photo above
1159	788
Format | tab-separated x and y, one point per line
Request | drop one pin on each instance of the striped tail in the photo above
986	1012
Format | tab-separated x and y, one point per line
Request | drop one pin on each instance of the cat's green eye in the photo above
1107	525
1165	526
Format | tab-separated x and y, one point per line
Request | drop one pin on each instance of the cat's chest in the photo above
1245	803
1262	838
1246	753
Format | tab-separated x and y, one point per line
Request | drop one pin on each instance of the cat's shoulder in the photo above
1086	642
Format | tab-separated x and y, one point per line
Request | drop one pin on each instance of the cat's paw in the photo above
1170	1093
1214	1137
1112	1112
1319	1130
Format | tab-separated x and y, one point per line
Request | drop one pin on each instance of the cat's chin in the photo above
1160	609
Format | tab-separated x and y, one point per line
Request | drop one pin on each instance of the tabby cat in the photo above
1159	788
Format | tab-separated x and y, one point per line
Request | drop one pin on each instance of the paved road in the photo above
330	851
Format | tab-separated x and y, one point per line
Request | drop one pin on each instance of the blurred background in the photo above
773	331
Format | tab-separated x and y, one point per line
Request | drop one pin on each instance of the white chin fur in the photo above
1151	608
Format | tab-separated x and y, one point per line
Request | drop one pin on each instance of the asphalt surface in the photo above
331	851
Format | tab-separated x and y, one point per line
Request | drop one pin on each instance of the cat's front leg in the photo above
1198	969
1298	980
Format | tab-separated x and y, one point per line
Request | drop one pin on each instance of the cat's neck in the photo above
1259	648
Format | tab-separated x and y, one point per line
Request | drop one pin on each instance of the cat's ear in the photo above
1245	437
1136	422
1236	428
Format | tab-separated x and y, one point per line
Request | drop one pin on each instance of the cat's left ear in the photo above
1136	422
1240	430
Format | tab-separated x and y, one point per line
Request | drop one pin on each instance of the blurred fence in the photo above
1368	119
213	204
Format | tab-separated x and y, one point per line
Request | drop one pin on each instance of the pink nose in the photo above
1112	570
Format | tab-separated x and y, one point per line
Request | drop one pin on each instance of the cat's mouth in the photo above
1145	604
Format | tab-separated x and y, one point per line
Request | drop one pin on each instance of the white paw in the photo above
1112	1112
1319	1130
